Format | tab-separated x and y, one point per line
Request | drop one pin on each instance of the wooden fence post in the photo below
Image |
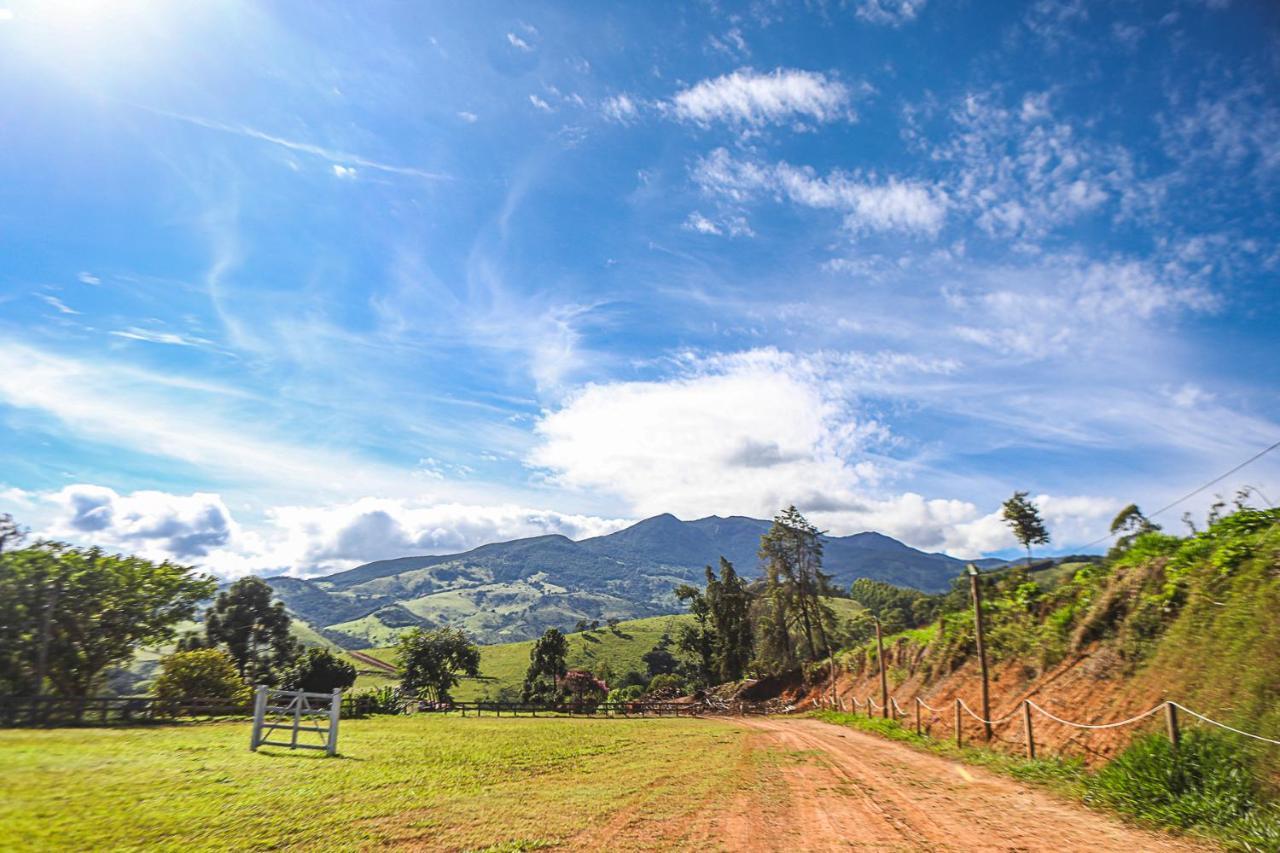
1026	724
259	713
918	715
1171	720
959	740
335	712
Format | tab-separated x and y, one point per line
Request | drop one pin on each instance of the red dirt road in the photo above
847	790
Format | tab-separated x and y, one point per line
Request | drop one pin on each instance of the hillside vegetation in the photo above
611	652
1188	618
508	591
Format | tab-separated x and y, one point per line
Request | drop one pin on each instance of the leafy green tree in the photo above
791	552
546	665
253	629
1129	524
659	660
200	674
70	613
1023	518
697	640
432	661
729	606
11	534
318	670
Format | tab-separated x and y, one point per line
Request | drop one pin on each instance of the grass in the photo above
621	649
421	781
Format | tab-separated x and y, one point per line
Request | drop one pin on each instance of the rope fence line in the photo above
1025	707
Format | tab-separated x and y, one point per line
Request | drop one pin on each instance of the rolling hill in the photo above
509	591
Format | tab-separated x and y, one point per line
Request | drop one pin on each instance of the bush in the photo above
1206	782
379	700
319	670
666	686
200	674
630	693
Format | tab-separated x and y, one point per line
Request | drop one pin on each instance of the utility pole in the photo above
976	586
884	679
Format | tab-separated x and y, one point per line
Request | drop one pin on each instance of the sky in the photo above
287	287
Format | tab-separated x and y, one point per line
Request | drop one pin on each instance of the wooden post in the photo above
259	713
959	739
918	715
831	663
1026	725
884	678
982	650
1171	720
335	712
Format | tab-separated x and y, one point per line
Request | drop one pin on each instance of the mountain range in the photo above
515	590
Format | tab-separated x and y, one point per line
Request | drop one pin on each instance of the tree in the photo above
1023	518
794	583
659	660
546	664
698	639
1130	523
318	670
253	630
70	613
431	662
582	687
729	607
10	533
200	674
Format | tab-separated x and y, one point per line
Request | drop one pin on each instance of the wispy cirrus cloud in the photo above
892	204
893	13
337	158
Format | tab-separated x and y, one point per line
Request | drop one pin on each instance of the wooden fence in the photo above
106	710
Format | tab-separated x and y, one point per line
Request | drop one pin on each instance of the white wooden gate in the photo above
298	713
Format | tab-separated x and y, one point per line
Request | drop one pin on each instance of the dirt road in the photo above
845	790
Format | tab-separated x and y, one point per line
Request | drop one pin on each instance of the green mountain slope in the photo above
510	591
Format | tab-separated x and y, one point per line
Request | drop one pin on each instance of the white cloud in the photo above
734	226
469	118
58	304
518	43
6	15
746	97
199	529
332	155
89	278
620	108
881	205
346	172
892	12
135	334
540	103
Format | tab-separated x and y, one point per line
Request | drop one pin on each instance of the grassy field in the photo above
415	781
621	649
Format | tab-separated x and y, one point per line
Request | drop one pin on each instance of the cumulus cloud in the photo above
868	203
302	541
620	108
340	171
153	523
746	97
891	12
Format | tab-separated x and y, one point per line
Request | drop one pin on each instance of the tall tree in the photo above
698	639
1023	518
792	555
729	608
253	629
1130	523
318	670
79	611
11	534
432	661
546	664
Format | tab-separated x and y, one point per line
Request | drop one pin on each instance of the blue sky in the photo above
292	286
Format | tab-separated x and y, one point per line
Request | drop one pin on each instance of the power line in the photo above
1254	458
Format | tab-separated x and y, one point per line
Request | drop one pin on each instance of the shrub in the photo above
667	685
379	700
200	674
1206	782
630	693
319	670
